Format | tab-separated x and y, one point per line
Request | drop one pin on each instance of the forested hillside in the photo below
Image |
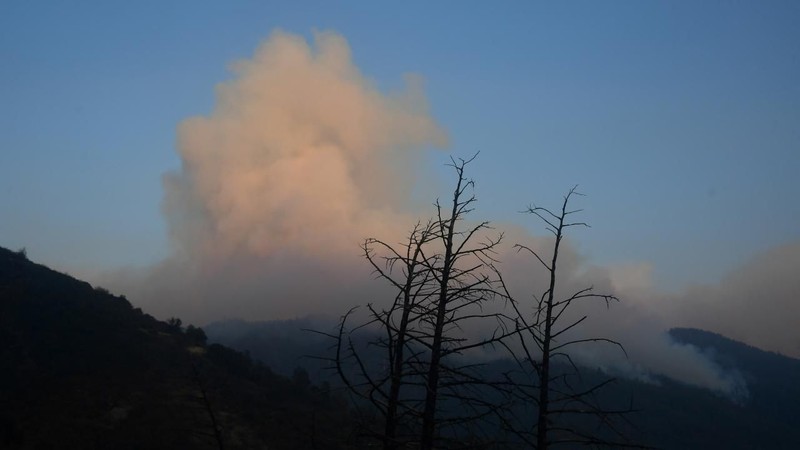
82	368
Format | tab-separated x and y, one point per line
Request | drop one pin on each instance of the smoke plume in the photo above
302	158
301	152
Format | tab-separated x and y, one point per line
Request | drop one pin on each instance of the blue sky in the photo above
680	120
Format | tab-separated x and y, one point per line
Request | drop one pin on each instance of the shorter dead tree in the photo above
561	397
391	337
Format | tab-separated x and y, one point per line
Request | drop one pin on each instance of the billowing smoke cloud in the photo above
300	160
303	157
301	153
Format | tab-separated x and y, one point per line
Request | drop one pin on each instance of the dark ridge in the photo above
81	368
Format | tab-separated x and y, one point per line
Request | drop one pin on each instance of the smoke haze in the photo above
303	158
757	303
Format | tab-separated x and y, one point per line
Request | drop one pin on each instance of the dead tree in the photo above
544	338
465	285
443	278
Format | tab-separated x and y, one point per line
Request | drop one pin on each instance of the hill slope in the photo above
81	368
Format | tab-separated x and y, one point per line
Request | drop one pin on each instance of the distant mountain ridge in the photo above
674	415
747	354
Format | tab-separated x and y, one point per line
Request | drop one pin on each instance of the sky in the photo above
130	137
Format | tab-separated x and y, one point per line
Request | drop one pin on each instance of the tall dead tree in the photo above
464	285
443	279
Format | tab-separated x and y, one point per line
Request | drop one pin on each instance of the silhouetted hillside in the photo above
81	368
773	385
